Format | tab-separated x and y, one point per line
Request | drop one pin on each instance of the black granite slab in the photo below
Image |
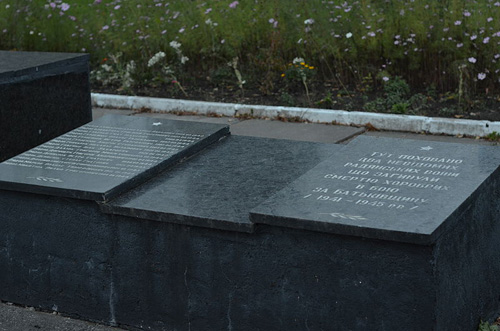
105	157
218	187
392	189
19	66
42	95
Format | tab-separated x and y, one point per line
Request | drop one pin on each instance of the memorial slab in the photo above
218	187
42	95
101	159
382	188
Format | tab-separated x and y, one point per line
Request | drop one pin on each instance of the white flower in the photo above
481	76
174	44
156	58
298	60
348	35
309	21
472	60
184	59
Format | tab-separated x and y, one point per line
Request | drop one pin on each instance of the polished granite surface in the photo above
101	159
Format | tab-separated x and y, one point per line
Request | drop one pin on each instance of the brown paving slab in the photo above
296	131
99	112
192	118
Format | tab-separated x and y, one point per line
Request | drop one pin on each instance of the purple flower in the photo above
385	78
64	6
481	76
117	7
489	19
233	4
52	5
458	22
486	40
472	60
208	11
467	13
105	27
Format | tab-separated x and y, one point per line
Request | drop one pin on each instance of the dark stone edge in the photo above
162	166
77	64
186	220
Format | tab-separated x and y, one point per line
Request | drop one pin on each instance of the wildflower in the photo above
164	31
64	6
472	60
117	7
467	13
156	58
459	45
184	59
233	4
208	11
181	30
175	45
309	21
385	78
282	75
458	22
481	76
489	19
348	35
298	60
52	5
473	37
105	27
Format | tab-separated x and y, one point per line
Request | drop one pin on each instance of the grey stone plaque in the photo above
393	189
105	157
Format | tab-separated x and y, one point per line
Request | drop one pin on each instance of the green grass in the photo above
346	41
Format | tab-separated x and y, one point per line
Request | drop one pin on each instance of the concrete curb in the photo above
391	122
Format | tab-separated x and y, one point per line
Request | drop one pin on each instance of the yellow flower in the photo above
302	63
311	67
282	75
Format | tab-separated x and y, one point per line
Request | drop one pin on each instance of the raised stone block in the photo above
102	159
253	233
423	219
42	95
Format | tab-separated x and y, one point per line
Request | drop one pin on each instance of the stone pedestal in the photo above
42	95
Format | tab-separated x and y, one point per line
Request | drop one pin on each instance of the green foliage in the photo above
494	136
451	44
396	100
287	100
485	326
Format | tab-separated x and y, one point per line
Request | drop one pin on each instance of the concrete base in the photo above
65	255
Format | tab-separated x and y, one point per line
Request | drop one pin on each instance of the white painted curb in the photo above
391	122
